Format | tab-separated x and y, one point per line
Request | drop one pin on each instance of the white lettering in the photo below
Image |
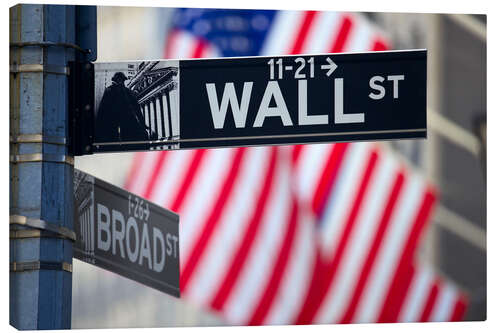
265	110
175	246
229	97
132	224
171	248
169	244
395	79
340	117
118	235
145	251
304	118
103	225
377	87
158	236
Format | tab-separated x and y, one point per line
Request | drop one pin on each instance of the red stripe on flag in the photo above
188	179
199	48
391	310
329	272
296	152
459	309
328	177
431	300
401	279
243	251
379	45
168	44
345	28
314	292
160	162
212	220
270	292
304	29
372	253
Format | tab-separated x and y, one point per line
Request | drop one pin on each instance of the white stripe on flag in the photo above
223	243
359	243
310	167
392	246
324	29
256	272
342	196
361	36
443	308
299	271
168	182
417	295
201	196
209	51
283	33
182	45
142	175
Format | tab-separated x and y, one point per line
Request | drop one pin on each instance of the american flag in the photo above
323	233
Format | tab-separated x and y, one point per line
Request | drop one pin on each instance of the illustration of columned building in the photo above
157	94
84	219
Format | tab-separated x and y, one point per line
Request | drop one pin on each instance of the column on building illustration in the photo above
145	113
154	122
165	114
156	90
159	122
174	119
86	219
160	109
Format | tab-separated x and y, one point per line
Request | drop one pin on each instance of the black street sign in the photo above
125	234
176	104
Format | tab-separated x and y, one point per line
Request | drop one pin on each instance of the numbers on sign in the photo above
141	210
311	66
138	207
279	62
298	74
136	215
146	211
271	63
271	69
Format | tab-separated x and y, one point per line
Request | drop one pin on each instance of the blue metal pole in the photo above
41	173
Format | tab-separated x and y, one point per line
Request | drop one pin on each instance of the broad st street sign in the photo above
126	234
176	104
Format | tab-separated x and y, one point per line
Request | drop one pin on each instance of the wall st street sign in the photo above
126	234
176	104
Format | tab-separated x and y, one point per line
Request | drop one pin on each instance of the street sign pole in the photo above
42	42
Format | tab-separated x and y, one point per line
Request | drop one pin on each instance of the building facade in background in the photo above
454	153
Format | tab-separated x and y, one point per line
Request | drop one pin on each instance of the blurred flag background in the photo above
327	233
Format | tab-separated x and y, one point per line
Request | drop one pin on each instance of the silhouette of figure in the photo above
119	116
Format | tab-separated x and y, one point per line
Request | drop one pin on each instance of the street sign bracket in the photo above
42	157
81	108
33	233
39	68
41	225
39	265
50	44
38	138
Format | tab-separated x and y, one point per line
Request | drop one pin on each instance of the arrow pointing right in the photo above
331	66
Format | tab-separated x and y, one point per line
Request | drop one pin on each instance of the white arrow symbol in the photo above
331	66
